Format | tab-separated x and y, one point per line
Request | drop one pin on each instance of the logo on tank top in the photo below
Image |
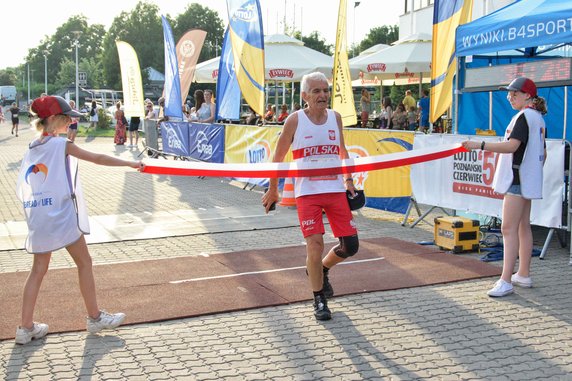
332	134
36	173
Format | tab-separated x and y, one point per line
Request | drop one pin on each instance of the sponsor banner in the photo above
131	83
207	142
175	137
251	145
464	180
389	189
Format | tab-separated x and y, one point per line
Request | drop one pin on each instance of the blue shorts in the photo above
514	190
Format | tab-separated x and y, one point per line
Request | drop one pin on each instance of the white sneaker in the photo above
521	281
501	288
25	335
105	321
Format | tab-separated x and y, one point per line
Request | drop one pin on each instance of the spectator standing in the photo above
133	129
72	128
519	177
400	118
93	115
120	125
365	103
424	112
387	113
412	118
408	101
149	111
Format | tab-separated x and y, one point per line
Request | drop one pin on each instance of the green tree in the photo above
196	16
142	29
385	34
314	41
61	46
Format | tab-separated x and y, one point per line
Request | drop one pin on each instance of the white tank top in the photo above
50	192
313	142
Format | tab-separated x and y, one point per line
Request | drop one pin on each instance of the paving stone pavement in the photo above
441	332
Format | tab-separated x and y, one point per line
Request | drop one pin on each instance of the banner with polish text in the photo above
463	181
131	82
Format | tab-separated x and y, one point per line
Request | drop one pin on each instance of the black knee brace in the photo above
347	247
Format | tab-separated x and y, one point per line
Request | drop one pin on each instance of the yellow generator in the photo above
457	234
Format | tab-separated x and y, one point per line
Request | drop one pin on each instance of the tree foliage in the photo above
196	16
385	34
142	29
314	41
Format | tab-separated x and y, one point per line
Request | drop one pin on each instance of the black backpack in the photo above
92	112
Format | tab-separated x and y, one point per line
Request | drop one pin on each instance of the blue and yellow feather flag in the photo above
342	92
247	38
447	16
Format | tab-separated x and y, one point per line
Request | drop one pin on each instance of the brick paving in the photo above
441	332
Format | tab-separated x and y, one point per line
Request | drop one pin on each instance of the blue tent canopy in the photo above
524	24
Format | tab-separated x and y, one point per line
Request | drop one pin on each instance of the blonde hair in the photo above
539	104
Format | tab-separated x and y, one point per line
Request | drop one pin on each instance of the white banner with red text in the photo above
463	181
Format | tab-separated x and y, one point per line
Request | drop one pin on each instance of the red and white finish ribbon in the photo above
274	170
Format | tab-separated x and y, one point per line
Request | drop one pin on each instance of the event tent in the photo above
286	60
407	59
540	30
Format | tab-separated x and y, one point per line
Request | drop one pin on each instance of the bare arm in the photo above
509	146
348	179
100	159
282	147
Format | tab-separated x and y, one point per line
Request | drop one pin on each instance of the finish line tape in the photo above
292	169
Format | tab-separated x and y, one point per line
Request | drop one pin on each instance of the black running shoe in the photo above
327	287
321	310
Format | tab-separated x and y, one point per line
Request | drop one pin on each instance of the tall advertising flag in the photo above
247	38
130	80
227	88
447	16
188	51
173	103
342	94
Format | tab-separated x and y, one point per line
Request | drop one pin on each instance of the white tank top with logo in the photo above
313	142
50	191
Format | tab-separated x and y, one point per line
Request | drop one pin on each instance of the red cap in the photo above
523	84
49	105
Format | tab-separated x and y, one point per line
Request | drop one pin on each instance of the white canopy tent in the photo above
407	61
286	60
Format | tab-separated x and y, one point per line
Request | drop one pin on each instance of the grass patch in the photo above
100	132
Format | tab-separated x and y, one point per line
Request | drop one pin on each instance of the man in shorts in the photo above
315	134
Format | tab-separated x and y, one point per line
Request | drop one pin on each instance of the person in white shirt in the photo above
518	176
50	191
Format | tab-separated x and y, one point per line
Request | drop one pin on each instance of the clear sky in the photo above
29	22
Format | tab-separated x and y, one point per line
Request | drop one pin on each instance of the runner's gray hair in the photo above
315	76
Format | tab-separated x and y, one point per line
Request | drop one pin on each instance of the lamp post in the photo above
28	66
76	34
45	73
